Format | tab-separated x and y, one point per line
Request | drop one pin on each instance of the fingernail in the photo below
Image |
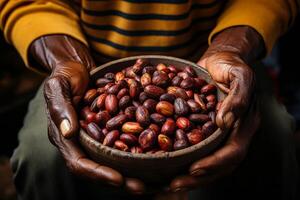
198	172
65	127
229	119
182	189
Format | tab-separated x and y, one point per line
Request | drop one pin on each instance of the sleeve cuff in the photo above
261	16
33	25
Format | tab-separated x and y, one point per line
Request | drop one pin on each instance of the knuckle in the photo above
72	166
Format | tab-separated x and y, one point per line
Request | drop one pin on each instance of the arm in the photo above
48	36
239	39
23	21
270	19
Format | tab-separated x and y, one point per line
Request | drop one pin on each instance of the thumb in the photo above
236	79
58	98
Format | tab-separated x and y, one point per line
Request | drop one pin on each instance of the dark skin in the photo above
226	59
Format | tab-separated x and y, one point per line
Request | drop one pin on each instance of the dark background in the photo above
18	85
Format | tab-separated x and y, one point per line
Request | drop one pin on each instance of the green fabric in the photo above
269	171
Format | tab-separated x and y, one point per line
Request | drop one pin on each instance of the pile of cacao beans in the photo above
150	109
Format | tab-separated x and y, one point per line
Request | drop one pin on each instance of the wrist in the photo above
242	41
54	51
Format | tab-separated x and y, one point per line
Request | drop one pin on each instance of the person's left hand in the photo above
227	60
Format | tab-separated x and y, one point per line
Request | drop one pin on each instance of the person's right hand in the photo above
69	62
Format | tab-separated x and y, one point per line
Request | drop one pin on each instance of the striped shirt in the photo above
134	27
121	28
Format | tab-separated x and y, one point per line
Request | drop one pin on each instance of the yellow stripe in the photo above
122	23
145	40
110	51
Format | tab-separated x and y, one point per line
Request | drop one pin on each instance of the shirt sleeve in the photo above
23	21
270	18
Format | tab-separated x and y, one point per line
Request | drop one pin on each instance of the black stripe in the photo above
108	57
149	32
148	16
145	48
152	1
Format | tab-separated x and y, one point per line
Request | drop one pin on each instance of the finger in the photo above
82	166
183	183
188	182
59	103
134	186
226	159
240	80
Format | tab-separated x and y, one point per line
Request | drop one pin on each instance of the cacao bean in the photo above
110	138
119	76
199	118
183	75
148	69
116	122
176	81
101	82
147	139
136	149
120	145
124	102
208	128
155	128
90	95
158	118
95	132
199	100
110	76
101	101
168	127
165	142
123	92
190	71
128	139
195	136
146	79
102	117
154	91
161	79
111	104
187	83
181	107
167	97
172	69
150	104
180	144
113	89
183	123
165	108
142	116
143	97
130	112
180	135
132	127
194	106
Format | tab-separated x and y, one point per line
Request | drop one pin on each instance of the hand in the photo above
227	62
70	63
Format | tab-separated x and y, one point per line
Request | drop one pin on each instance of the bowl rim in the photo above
163	155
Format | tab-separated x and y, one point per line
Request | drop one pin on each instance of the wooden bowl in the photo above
151	168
